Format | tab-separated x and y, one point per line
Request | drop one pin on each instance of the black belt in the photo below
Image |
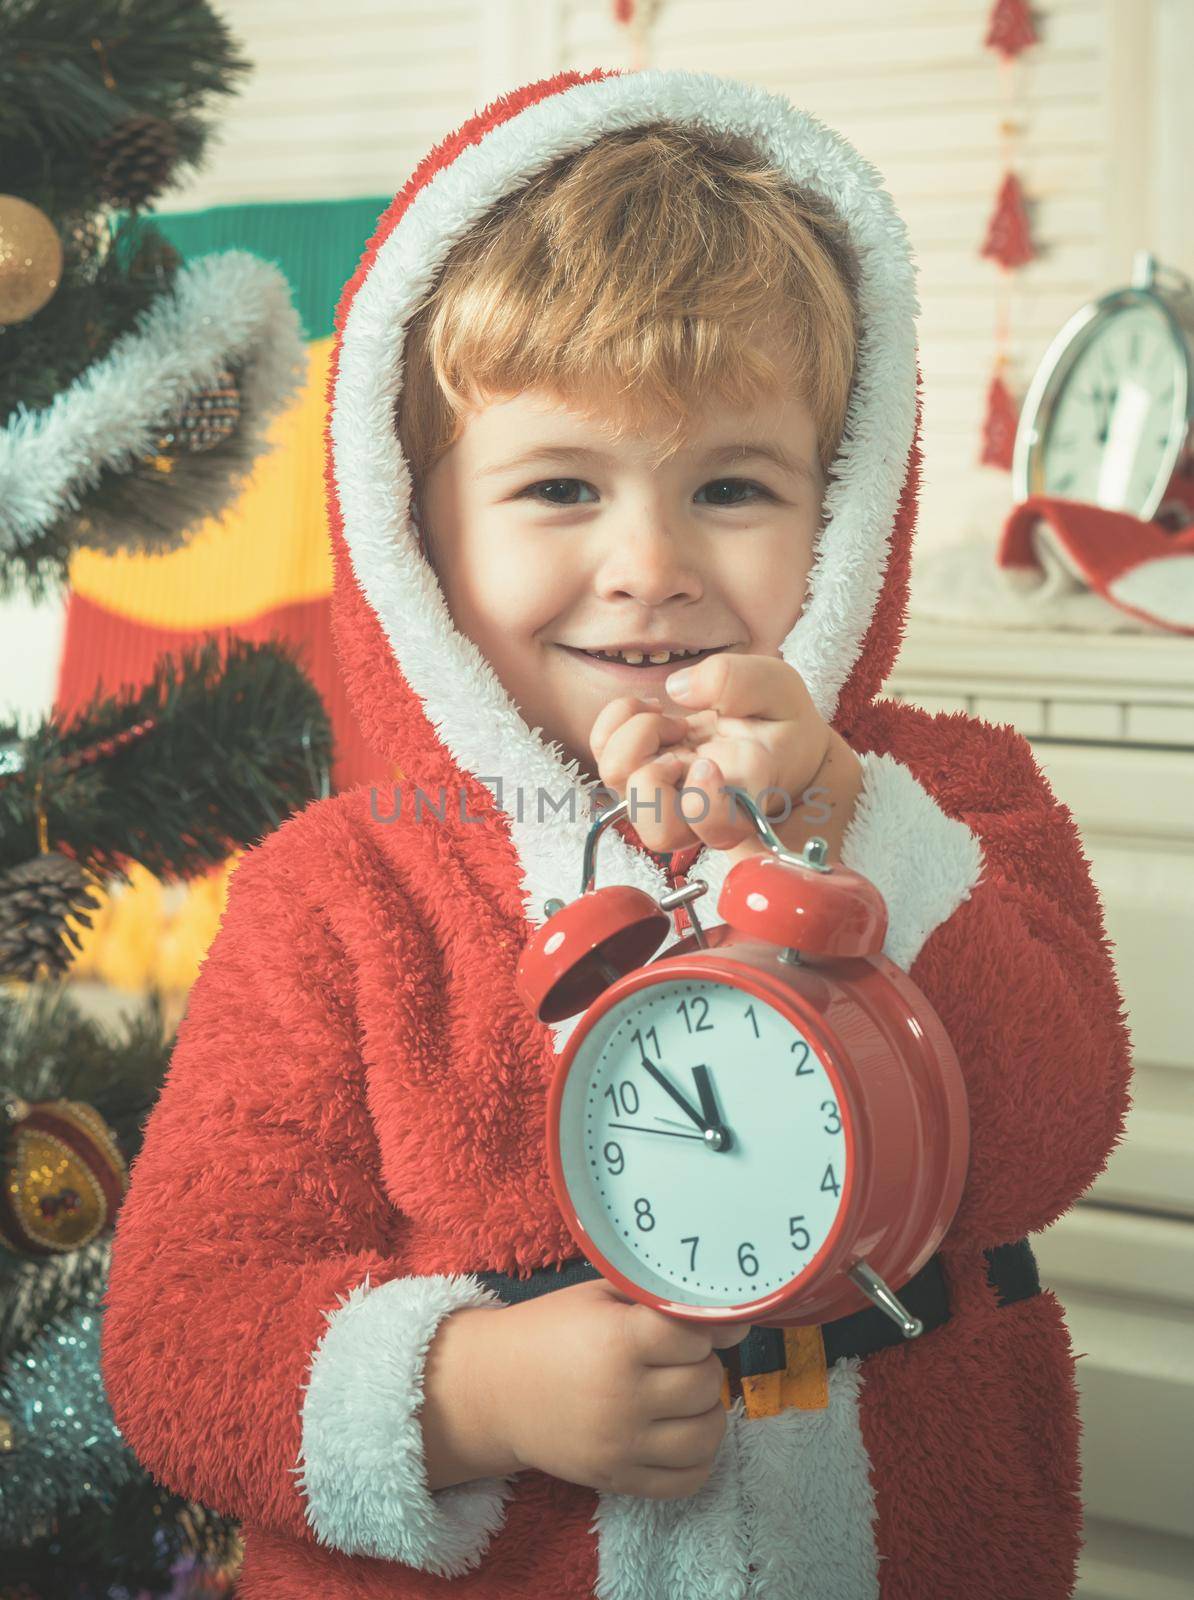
1011	1272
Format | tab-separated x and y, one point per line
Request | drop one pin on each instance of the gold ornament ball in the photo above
30	259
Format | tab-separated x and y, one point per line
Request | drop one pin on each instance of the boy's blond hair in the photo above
629	277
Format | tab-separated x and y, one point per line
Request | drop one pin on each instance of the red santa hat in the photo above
1135	565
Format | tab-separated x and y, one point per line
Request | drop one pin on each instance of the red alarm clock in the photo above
765	1123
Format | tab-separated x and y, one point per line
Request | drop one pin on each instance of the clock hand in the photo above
709	1104
689	1111
705	1090
664	1133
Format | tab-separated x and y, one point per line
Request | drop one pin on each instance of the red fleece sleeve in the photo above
256	1228
249	1211
1024	979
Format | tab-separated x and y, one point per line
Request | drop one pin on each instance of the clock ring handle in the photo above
816	849
668	902
813	858
598	827
676	897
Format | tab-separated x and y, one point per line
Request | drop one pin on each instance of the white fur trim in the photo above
1164	588
923	862
221	309
789	1495
363	1469
462	696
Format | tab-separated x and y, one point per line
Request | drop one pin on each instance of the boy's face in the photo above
540	559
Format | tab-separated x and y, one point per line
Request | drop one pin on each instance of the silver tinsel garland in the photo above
227	310
67	1450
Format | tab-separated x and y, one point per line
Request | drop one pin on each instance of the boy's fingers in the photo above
662	1340
717	819
633	742
745	686
654	812
611	716
726	1335
616	714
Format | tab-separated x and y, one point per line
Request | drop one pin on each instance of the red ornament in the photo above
624	12
1010	28
999	426
1009	238
62	1176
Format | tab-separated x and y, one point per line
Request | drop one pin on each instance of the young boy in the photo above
629	368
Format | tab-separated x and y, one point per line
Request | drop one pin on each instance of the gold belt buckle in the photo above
803	1384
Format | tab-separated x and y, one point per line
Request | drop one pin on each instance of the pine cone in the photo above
133	163
36	899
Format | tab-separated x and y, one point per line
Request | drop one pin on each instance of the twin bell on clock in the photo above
764	1123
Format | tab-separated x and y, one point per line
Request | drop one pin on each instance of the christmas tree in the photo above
135	392
215	751
134	388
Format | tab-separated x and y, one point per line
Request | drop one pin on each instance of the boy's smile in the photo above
552	539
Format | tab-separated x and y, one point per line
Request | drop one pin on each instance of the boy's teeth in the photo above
635	658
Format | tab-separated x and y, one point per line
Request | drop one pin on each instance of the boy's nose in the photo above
648	563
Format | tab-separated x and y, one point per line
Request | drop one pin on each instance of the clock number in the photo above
637	1036
830	1106
804	1240
750	1012
829	1183
617	1156
628	1104
693	1239
645	1212
702	1026
752	1270
803	1070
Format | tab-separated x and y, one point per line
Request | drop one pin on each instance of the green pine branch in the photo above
242	739
71	70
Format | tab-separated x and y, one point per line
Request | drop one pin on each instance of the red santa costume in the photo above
349	1144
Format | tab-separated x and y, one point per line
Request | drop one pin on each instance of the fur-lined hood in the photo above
425	696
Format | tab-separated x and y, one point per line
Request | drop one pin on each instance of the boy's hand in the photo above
753	719
606	1392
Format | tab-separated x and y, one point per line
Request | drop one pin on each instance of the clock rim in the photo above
699	964
1054	368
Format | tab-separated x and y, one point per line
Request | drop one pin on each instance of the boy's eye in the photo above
535	490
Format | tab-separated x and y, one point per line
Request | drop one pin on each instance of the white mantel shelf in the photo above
1129	689
1160	664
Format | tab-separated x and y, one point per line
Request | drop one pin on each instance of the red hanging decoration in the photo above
1010	31
1009	237
1010	28
637	16
999	426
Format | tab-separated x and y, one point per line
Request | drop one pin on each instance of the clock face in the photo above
1118	415
670	1211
